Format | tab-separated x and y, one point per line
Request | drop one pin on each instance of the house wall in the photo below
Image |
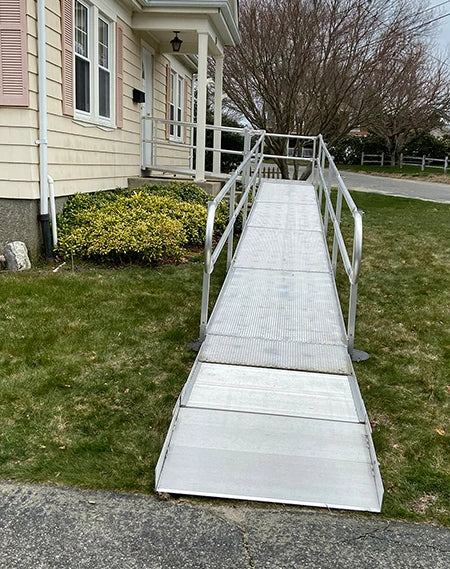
82	157
19	171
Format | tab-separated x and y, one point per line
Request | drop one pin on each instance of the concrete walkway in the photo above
44	527
418	189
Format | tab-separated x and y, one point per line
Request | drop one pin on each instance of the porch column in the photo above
201	106
218	91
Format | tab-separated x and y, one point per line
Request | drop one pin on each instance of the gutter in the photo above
43	142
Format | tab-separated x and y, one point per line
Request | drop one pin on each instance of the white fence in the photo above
421	162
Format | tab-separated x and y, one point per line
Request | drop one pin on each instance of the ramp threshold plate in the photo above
271	410
270	458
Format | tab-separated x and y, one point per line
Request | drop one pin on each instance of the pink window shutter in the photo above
119	75
67	26
13	54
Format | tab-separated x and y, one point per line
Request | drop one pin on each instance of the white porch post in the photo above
218	91
201	106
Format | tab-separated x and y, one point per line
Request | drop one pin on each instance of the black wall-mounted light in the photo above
176	42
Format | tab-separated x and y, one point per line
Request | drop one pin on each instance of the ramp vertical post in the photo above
207	269
334	255
313	163
356	267
352	317
205	302
319	177
322	183
230	238
245	173
327	194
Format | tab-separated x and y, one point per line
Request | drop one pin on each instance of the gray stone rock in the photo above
17	256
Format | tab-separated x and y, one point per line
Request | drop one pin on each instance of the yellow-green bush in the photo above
109	234
147	224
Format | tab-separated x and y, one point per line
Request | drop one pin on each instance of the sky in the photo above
443	32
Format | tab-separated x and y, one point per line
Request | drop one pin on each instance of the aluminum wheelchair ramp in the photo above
272	410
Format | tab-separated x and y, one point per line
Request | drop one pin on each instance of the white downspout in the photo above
43	142
51	187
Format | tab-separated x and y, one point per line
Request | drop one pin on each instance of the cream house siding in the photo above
19	170
83	156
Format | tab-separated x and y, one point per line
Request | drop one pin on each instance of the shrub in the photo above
191	216
148	224
180	191
118	233
193	194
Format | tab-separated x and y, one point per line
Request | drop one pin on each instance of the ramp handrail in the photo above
253	158
352	267
250	169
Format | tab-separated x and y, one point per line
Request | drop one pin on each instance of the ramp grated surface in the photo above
328	358
278	305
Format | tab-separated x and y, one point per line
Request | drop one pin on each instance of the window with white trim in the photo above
82	61
93	77
176	105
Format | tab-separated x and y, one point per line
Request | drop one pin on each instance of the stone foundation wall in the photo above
19	222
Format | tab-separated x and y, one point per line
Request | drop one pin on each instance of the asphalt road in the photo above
419	189
45	527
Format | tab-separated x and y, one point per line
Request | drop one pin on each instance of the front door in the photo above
147	108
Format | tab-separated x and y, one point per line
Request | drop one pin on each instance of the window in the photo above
179	105
92	64
82	62
176	105
104	74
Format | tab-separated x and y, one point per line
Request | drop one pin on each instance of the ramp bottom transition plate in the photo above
270	458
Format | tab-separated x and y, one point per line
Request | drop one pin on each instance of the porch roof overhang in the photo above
214	17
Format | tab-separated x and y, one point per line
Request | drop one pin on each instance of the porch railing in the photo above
171	140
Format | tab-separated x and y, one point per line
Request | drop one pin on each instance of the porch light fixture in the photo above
176	42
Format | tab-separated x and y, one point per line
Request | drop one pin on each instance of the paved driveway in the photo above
419	189
45	527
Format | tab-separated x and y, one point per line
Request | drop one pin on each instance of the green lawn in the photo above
404	323
91	362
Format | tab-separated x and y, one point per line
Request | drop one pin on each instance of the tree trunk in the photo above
307	172
284	168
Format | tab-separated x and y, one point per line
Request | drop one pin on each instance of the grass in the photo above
91	363
408	172
404	323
